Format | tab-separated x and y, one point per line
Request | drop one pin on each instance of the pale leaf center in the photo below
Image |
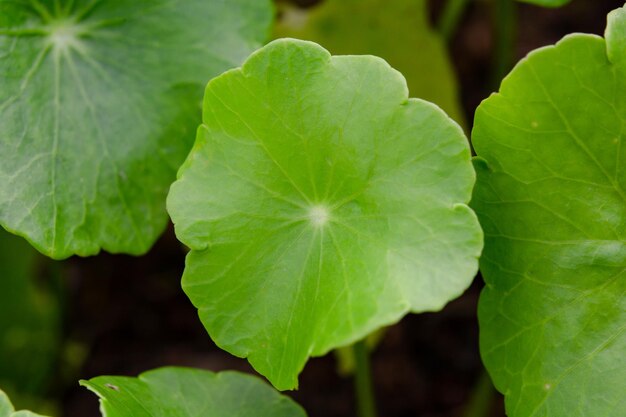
64	36
319	215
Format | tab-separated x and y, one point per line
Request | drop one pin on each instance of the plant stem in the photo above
363	381
504	22
482	397
450	17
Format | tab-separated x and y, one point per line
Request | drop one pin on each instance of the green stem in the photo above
504	15
450	17
482	397
363	381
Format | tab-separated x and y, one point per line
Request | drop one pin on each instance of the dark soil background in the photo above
125	315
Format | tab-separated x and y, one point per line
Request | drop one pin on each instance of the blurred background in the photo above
122	315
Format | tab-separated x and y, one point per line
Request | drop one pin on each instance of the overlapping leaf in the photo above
551	196
320	203
397	31
98	102
183	392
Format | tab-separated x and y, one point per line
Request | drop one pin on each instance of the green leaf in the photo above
183	392
7	410
551	196
547	3
397	31
320	204
98	102
29	320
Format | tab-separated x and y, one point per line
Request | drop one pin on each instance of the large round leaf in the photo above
98	102
551	196
397	31
185	392
320	203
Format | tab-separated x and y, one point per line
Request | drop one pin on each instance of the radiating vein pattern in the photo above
98	105
551	198
320	204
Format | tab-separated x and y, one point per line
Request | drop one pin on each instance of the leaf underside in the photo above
551	197
388	29
185	392
98	105
320	204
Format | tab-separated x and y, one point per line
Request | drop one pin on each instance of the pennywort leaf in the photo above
7	410
98	102
185	392
551	196
320	203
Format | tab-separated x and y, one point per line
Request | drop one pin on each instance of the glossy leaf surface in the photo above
397	31
551	196
320	204
7	410
98	104
184	392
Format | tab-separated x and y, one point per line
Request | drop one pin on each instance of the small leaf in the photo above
7	410
98	102
397	31
183	392
320	204
551	196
